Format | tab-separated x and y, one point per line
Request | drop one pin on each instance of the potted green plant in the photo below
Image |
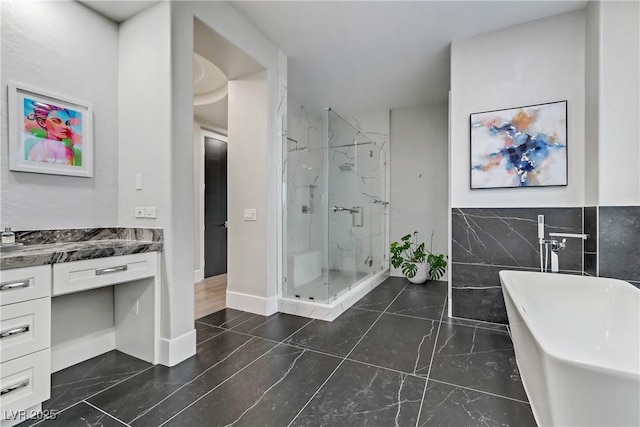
412	258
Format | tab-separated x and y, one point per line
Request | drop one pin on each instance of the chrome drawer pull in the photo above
14	331
111	270
14	285
14	387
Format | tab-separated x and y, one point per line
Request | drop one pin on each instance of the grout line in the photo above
410	374
499	331
145	412
216	387
215	326
412	317
433	352
314	394
481	391
477	321
479	264
231	320
106	413
507	267
257	336
209	339
58	412
343	360
296	331
98	392
249	319
275	316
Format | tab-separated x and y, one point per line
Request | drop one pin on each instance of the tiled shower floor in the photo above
394	359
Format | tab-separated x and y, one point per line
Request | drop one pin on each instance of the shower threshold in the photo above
332	283
338	304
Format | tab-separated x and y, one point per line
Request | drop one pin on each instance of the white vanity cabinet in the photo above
25	340
29	353
136	307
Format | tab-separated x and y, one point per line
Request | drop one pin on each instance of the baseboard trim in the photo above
198	276
174	351
252	303
78	350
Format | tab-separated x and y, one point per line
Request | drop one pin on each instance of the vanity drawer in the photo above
25	328
25	382
78	276
22	284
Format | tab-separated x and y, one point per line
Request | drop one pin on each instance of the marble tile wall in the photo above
591	244
619	242
485	241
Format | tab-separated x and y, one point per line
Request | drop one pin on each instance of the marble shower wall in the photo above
306	180
318	177
485	241
357	177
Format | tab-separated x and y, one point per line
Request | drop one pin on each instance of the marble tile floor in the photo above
394	359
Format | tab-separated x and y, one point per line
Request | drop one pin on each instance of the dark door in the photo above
215	207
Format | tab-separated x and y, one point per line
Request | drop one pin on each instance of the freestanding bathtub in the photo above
577	345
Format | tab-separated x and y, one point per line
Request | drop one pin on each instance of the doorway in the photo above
210	291
218	66
215	207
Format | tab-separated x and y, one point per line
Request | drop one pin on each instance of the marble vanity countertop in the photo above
89	245
50	253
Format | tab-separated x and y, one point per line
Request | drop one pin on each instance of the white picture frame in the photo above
49	133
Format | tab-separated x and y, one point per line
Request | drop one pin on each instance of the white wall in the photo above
592	103
619	101
67	49
419	175
247	153
536	62
263	244
148	145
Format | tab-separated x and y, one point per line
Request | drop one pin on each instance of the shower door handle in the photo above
341	209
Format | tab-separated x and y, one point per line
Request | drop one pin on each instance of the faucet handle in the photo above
557	245
574	235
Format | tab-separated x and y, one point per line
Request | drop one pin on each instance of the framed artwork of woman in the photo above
48	133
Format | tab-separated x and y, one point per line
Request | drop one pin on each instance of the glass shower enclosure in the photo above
335	213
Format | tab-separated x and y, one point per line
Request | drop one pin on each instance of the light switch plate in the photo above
250	215
138	181
140	212
151	212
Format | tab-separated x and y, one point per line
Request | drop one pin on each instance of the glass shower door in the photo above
370	194
344	216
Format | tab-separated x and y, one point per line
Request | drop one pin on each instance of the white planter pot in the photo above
421	273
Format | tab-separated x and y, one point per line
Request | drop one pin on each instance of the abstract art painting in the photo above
520	147
49	134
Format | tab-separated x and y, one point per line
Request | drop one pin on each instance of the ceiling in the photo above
118	10
359	56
